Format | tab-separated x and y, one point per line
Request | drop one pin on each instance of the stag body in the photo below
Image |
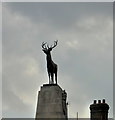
51	66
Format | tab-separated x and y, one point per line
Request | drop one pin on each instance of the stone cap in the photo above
50	85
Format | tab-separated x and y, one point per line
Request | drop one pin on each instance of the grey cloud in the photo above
55	14
9	96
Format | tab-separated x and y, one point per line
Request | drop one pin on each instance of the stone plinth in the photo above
51	102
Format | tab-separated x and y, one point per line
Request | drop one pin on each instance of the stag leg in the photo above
49	77
52	78
56	73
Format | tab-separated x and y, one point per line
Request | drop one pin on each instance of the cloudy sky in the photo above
84	54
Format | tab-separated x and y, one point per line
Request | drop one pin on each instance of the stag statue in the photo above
51	66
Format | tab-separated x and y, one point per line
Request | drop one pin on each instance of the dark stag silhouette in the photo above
51	66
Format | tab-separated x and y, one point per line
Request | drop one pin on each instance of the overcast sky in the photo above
84	54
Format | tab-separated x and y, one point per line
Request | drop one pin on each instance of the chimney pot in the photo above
99	101
103	100
95	101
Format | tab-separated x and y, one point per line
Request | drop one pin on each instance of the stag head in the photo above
46	48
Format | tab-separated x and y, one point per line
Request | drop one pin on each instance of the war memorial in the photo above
52	99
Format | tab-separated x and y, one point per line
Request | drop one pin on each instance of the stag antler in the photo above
55	44
44	45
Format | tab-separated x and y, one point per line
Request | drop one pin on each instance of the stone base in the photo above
51	102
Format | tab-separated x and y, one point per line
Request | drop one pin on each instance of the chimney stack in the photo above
99	111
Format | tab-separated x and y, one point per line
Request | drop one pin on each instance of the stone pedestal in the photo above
51	102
